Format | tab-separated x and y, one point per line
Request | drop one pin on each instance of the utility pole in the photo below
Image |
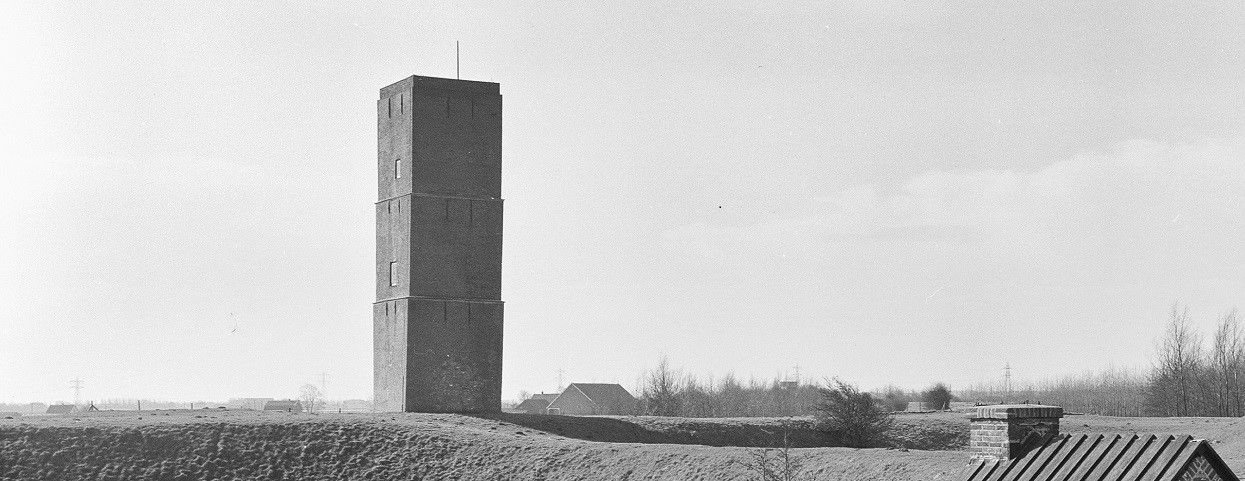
76	383
1007	381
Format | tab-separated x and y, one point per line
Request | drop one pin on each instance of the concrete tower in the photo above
437	320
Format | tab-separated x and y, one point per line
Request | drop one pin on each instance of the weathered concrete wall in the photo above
457	142
455	354
394	118
439	217
390	321
393	244
456	247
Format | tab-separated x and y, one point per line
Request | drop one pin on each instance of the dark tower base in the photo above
437	355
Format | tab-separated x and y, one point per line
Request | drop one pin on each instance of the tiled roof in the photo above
601	393
61	408
1102	457
533	404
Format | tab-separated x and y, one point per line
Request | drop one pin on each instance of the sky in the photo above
885	192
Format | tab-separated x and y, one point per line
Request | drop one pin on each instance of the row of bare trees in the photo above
1189	377
666	391
1111	392
1193	379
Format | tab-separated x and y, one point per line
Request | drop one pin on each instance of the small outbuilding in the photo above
593	398
536	404
253	403
61	408
532	406
287	405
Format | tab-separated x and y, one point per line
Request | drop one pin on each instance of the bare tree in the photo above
311	397
777	464
1177	373
662	390
1227	361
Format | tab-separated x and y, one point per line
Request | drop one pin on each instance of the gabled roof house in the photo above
532	406
592	398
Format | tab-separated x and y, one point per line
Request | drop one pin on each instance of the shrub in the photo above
895	399
852	415
937	397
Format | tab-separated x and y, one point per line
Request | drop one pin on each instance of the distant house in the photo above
61	408
255	403
535	404
287	405
532	406
592	398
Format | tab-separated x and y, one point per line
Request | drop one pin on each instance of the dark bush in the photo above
937	397
851	416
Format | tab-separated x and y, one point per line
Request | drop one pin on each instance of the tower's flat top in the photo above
1013	411
420	83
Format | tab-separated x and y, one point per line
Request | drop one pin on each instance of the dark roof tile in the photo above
1096	457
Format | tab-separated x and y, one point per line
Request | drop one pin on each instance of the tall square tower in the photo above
437	320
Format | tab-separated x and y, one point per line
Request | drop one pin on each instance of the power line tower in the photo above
76	384
324	384
561	372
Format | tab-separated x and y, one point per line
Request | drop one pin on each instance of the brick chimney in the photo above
1008	431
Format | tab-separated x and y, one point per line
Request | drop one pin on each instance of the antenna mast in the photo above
457	69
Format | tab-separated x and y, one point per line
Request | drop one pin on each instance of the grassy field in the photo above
256	445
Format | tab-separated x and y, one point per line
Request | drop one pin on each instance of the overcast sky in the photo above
888	192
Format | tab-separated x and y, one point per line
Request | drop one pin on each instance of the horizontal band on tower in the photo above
444	299
444	196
